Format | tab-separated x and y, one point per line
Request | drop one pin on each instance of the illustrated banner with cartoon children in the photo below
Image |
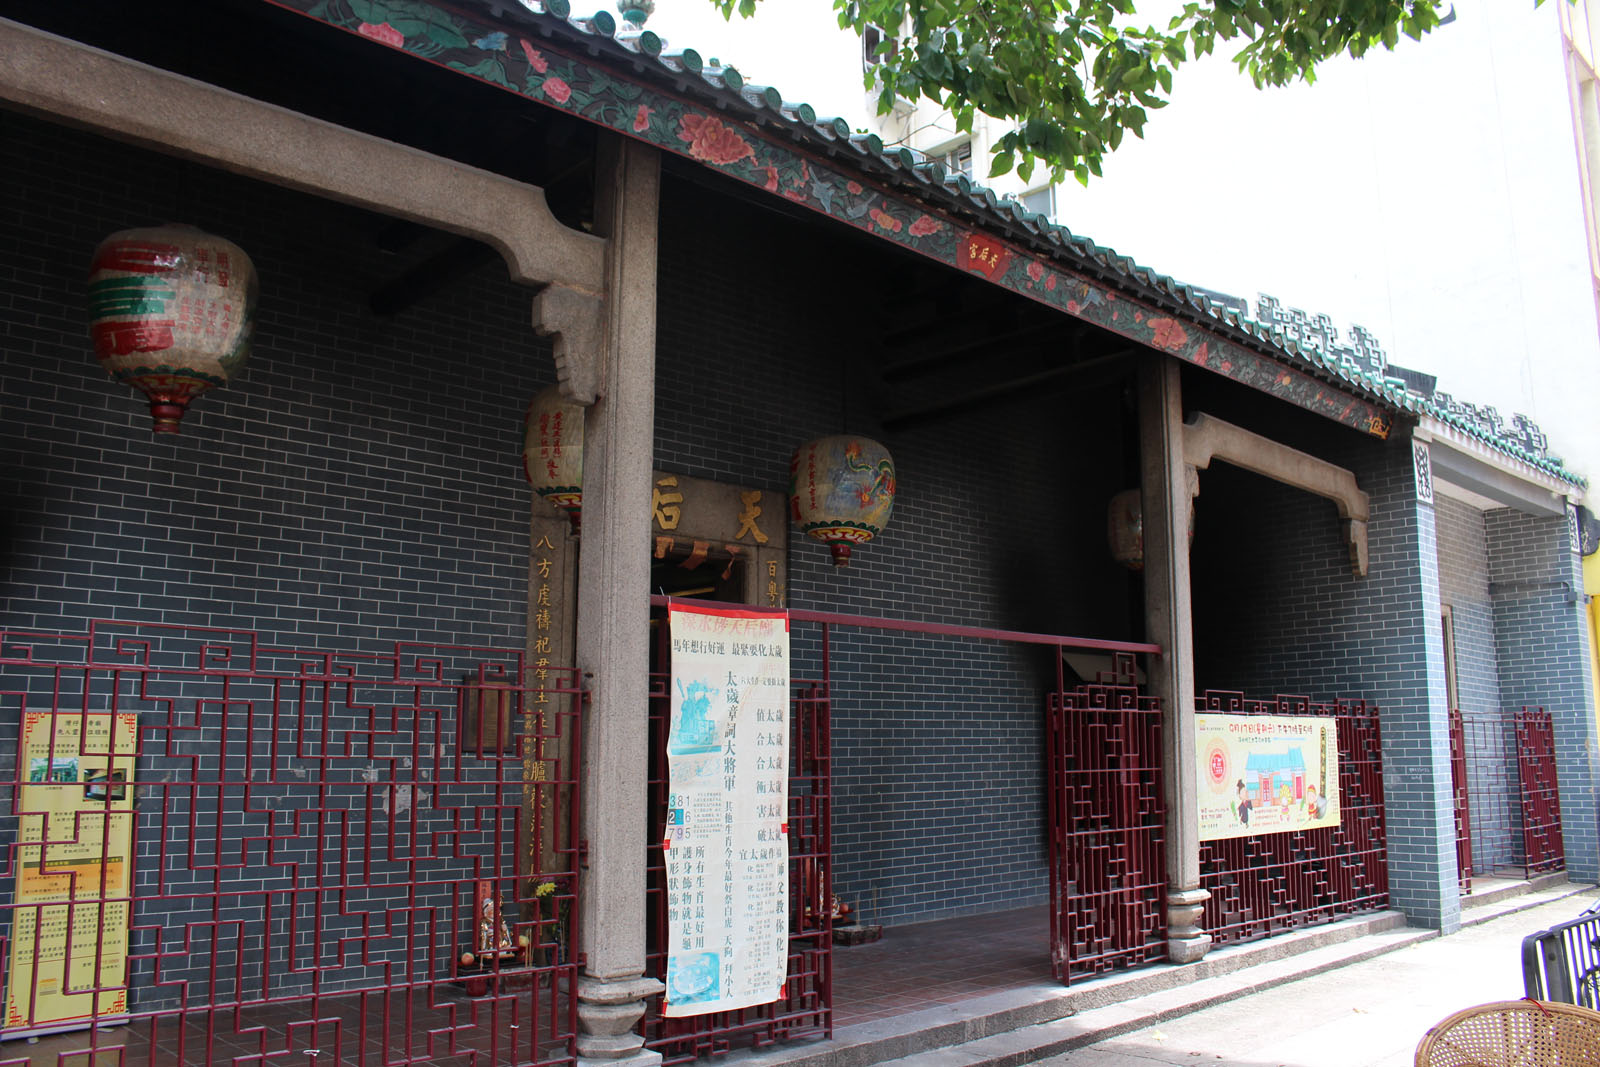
727	847
74	872
1266	774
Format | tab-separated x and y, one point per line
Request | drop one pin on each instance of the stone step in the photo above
1026	1024
1235	978
1522	893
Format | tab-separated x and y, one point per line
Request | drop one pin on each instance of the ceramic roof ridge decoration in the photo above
705	113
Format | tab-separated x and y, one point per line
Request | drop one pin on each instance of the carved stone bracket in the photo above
180	116
1206	438
575	320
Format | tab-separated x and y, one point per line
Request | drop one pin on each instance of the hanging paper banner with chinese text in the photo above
69	930
1266	774
727	850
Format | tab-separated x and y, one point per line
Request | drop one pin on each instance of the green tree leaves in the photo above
1076	75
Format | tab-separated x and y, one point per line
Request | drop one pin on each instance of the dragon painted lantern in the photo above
552	451
841	491
171	310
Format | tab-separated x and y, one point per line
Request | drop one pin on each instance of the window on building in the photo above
871	46
958	158
1041	201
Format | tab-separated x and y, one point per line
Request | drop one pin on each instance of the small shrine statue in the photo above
493	936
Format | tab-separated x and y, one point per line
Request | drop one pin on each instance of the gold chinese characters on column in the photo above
545	637
74	882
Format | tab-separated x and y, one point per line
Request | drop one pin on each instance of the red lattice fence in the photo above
1107	816
1269	883
312	830
1541	797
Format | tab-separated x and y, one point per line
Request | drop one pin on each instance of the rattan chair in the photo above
1514	1033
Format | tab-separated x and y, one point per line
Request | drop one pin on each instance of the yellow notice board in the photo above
69	929
1266	774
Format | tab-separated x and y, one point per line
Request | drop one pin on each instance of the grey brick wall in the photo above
1278	609
1543	642
360	482
358	486
768	338
1491	767
1464	588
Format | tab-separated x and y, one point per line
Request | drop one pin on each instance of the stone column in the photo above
1167	488
613	613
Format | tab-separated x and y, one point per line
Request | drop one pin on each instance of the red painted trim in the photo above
872	622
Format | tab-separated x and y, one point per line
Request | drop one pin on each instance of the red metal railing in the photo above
1269	883
1515	809
1460	801
1489	752
311	833
1541	798
1107	826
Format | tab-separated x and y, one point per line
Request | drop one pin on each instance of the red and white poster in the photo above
1266	774
727	847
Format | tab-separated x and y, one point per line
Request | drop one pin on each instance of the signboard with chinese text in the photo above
727	850
547	744
69	932
717	524
1266	774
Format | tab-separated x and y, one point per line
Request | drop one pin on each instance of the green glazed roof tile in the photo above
724	87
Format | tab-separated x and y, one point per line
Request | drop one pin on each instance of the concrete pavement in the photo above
1367	1014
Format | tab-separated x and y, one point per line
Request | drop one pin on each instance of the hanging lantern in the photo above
171	309
1125	528
552	451
841	491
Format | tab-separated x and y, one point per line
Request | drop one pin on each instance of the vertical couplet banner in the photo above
727	847
74	882
1266	774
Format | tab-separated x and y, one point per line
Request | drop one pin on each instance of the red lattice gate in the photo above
1106	819
1541	797
1459	795
1269	883
1506	775
313	834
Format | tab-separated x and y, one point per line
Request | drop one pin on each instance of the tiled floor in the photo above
941	962
913	967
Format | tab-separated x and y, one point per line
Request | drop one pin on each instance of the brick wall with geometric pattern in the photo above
1536	583
1279	609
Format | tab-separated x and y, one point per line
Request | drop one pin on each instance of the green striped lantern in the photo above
552	452
171	309
841	491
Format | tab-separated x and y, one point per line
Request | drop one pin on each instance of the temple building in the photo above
337	658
